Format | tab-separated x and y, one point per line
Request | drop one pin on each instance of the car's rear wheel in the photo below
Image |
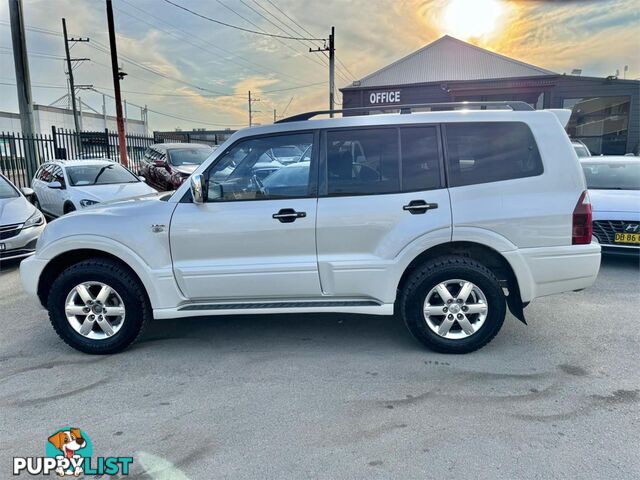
453	304
98	306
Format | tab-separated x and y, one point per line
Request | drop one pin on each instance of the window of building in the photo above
600	122
490	152
362	161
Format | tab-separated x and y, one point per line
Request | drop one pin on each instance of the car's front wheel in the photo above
98	306
453	304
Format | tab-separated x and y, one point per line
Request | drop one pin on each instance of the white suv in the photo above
444	217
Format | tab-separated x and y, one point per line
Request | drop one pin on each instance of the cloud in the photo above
598	37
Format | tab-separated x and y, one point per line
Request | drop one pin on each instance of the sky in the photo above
194	73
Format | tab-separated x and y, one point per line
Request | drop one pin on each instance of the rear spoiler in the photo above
563	115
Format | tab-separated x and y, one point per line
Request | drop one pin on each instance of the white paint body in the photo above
350	248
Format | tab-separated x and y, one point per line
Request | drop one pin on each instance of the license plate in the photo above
2	247
627	238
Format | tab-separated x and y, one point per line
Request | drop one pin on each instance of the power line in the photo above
189	35
248	30
297	32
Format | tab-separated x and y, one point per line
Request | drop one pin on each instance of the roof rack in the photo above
516	106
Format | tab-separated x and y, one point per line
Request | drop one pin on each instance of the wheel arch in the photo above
489	257
70	257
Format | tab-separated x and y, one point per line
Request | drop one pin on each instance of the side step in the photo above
308	304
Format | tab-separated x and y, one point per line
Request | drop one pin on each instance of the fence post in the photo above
106	142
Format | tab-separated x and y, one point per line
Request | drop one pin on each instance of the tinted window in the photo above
188	156
6	190
490	152
99	175
244	171
420	158
612	175
362	162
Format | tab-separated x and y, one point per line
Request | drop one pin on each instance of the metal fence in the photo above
21	155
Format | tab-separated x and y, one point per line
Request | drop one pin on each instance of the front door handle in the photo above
417	207
288	215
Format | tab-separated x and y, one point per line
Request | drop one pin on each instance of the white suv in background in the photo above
444	217
63	186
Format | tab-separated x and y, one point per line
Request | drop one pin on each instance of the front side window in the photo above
251	170
188	156
490	152
362	161
83	175
58	176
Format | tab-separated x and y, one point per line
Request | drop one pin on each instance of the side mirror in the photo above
55	185
27	192
141	178
198	188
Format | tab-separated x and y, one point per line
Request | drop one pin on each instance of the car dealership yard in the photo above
339	396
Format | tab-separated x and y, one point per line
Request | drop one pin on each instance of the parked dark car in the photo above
165	166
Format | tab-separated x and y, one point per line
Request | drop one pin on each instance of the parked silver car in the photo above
20	222
614	188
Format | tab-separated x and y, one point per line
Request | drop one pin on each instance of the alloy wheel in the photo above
95	310
455	309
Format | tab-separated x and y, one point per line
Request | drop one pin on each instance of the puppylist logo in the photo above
69	452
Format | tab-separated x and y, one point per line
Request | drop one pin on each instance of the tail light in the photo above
582	228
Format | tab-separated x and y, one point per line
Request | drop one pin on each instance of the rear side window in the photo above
490	152
420	158
362	161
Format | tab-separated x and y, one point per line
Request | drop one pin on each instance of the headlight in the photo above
34	220
87	203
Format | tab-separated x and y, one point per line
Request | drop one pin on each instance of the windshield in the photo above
188	156
7	190
82	175
612	176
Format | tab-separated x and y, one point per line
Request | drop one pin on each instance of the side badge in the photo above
155	228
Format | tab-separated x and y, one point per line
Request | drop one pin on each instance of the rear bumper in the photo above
549	270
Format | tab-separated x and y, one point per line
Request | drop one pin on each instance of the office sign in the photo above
392	96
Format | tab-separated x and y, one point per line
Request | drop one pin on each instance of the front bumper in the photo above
30	271
22	245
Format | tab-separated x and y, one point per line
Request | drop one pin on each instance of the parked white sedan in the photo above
20	222
62	186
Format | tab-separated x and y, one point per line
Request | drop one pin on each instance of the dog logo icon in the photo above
74	446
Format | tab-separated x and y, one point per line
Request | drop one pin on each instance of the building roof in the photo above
450	59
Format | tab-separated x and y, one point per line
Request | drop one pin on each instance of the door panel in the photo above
236	250
383	198
360	239
254	238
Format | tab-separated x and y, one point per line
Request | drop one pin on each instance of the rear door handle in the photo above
417	207
288	215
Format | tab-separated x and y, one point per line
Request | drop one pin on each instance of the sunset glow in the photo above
472	18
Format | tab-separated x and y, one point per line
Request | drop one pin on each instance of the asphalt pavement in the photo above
339	396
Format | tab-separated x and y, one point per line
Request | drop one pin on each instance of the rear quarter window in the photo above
490	152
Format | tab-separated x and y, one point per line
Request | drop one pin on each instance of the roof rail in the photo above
516	106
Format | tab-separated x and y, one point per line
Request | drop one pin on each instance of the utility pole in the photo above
331	49
251	110
23	82
117	76
72	88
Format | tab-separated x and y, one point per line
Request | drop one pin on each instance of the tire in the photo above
125	286
36	203
451	271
